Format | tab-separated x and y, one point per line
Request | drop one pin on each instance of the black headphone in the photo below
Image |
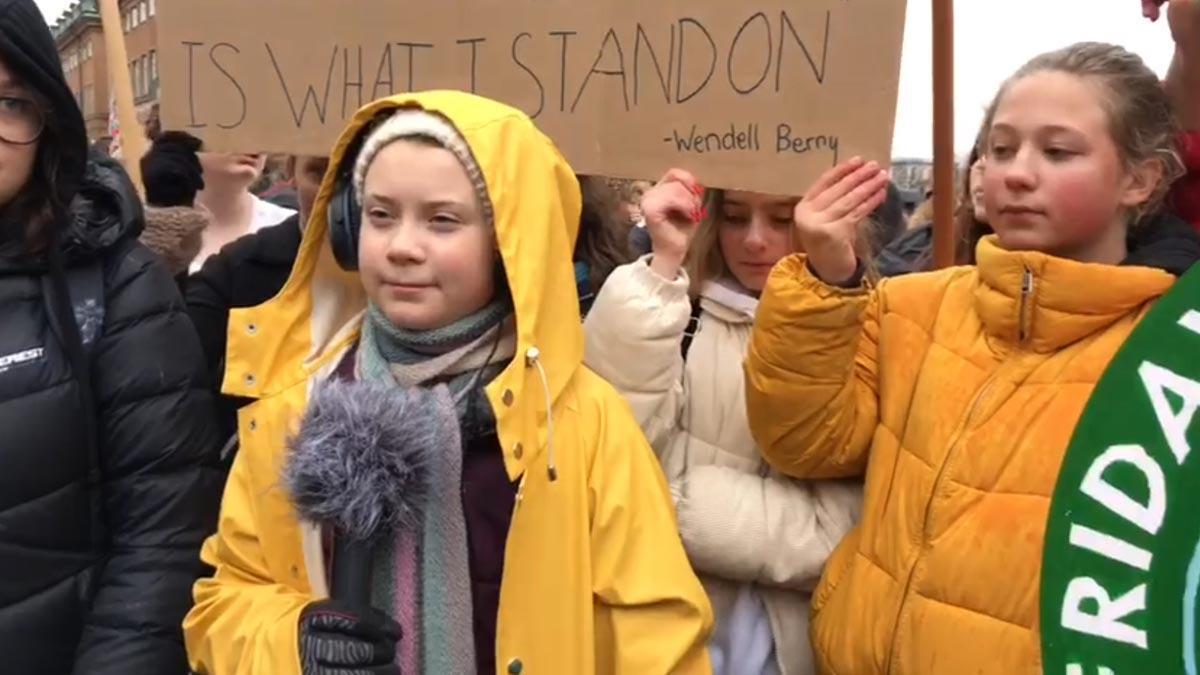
345	219
344	213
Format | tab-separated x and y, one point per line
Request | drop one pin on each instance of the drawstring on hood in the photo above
533	360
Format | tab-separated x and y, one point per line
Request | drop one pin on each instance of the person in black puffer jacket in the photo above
108	477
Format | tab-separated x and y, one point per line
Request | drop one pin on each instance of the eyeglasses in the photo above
21	120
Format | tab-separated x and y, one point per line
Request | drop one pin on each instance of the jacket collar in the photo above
726	300
1043	303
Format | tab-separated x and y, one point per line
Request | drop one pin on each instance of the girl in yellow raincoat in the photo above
558	553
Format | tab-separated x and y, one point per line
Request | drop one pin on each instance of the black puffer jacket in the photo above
98	553
105	487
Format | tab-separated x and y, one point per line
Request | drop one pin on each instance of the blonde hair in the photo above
923	215
1140	118
705	261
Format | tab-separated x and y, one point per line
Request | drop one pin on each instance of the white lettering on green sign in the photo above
1076	669
1110	547
1148	516
1106	621
1122	528
1158	381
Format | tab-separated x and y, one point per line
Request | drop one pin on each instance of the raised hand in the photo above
673	209
1184	18
828	217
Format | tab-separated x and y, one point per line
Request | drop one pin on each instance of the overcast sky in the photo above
993	38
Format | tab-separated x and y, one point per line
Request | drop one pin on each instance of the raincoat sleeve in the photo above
633	335
650	610
159	480
812	394
771	531
243	621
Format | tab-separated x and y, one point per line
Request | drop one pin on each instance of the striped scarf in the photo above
423	578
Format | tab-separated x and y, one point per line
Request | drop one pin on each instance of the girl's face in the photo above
754	233
975	186
426	257
1053	180
20	125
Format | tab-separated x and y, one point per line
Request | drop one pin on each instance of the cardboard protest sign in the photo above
761	96
1121	575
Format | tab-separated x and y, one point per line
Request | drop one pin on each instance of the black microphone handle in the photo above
351	571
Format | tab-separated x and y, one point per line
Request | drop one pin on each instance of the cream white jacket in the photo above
741	522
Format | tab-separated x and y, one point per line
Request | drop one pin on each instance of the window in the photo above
153	68
145	9
153	10
145	75
88	99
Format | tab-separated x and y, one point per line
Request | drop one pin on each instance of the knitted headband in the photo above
407	123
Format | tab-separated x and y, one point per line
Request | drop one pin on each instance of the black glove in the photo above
339	639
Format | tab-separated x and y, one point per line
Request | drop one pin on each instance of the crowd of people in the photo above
438	404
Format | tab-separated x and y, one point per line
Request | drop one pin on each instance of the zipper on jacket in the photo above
1025	307
1024	310
937	483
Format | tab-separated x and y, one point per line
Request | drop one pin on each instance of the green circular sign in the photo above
1121	573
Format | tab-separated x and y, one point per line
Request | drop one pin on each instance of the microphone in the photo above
359	465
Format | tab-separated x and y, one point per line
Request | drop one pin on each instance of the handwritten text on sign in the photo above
756	96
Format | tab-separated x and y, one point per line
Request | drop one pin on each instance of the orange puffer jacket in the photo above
956	393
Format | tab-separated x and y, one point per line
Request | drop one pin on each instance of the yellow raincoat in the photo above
595	577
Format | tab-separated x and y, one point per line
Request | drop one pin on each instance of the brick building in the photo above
81	47
85	62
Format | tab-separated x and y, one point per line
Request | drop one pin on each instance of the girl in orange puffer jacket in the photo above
956	392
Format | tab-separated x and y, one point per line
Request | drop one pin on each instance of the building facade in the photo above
85	63
81	47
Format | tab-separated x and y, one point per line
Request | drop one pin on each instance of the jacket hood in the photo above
536	203
728	301
105	210
28	49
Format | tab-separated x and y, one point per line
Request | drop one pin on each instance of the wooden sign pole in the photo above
944	234
133	141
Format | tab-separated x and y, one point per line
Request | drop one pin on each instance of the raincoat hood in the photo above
536	203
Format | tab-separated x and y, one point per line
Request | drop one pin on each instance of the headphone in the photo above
344	213
345	219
